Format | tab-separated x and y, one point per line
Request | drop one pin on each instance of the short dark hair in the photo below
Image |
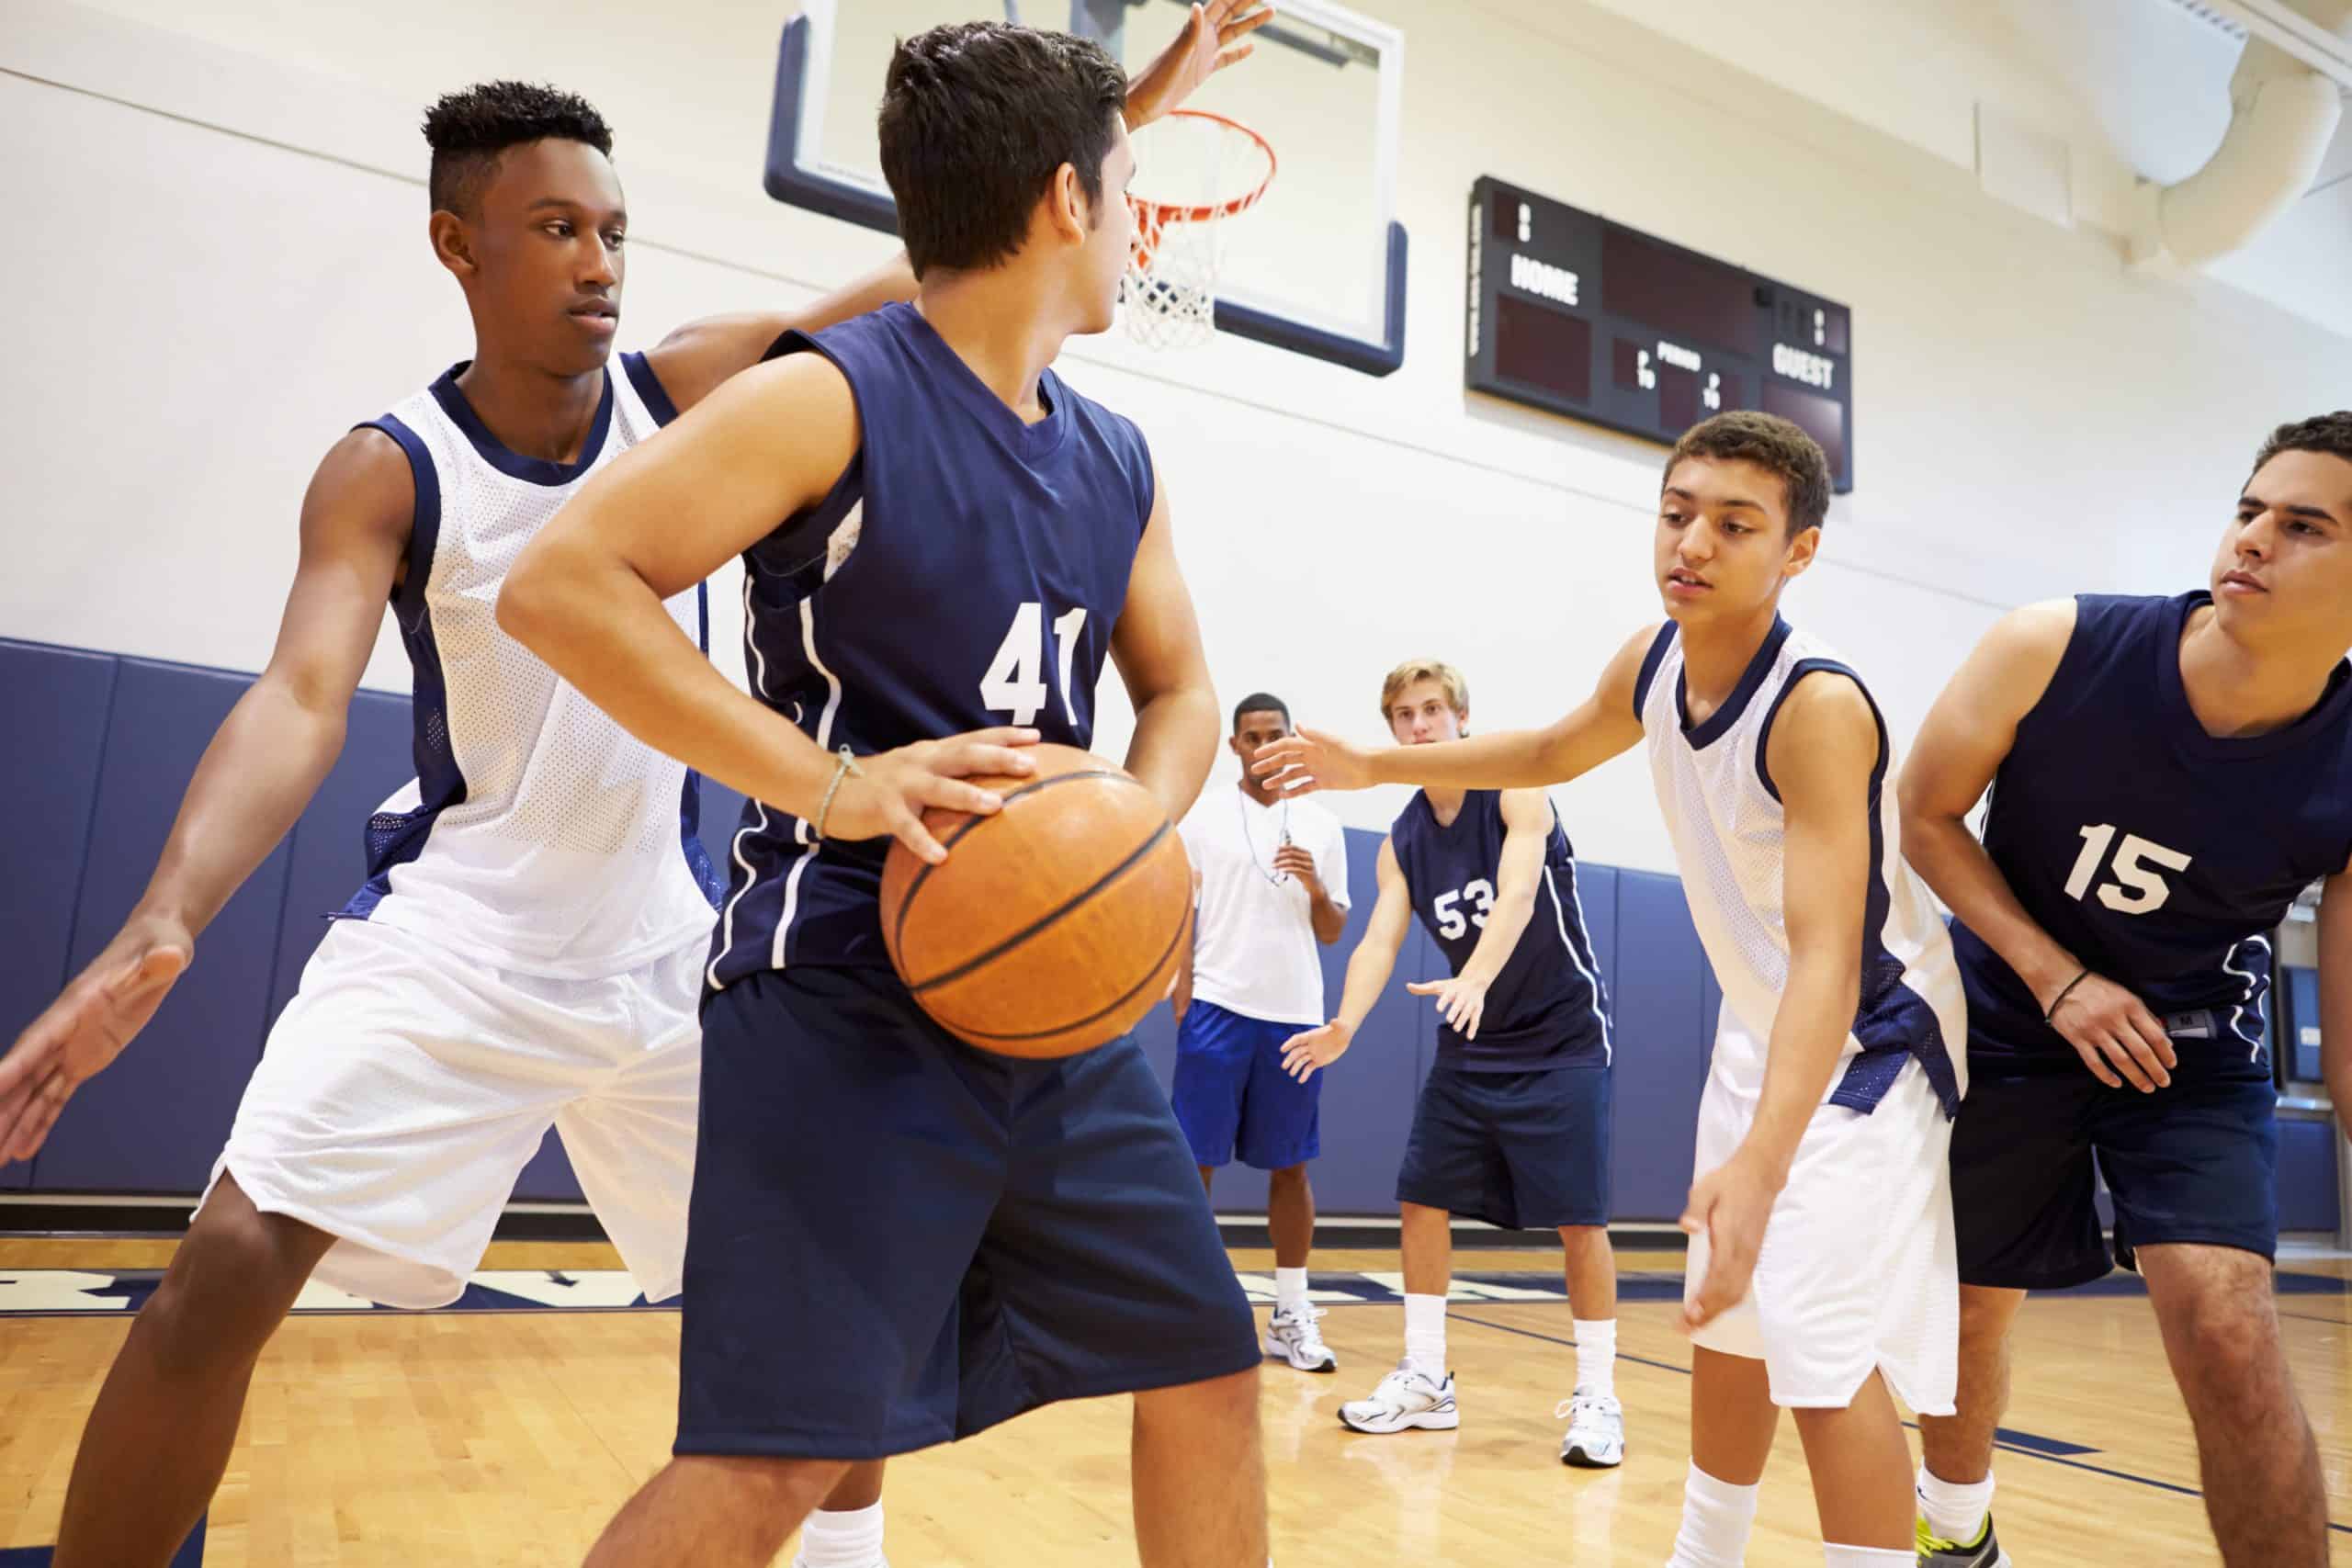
977	118
1769	442
468	130
2328	433
1261	702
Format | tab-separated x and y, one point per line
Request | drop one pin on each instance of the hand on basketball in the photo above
2113	1031
1461	1001
889	794
86	1028
1730	1205
1291	860
1313	1048
1309	761
1216	37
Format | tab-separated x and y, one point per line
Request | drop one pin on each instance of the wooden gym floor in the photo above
400	1439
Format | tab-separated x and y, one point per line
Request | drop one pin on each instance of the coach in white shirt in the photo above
1272	878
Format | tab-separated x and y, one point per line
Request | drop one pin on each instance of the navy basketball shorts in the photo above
2194	1163
896	1240
1232	1096
1520	1150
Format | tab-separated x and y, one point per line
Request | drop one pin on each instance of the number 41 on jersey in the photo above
1015	682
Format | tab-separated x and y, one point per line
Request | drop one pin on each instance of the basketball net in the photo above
1172	272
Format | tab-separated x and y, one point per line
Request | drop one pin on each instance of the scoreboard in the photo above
1574	314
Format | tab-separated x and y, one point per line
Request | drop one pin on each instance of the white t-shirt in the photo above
1254	950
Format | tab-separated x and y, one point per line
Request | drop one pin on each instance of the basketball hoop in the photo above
1173	271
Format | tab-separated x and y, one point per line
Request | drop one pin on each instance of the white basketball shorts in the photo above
1858	1268
406	1085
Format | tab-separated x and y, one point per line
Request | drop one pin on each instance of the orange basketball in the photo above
1054	925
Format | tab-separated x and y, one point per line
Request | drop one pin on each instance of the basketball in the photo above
1054	925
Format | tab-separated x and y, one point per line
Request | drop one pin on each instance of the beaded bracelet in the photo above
846	768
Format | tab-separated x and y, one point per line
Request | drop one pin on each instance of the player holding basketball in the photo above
1512	1124
1272	886
536	884
1826	1110
965	539
2168	774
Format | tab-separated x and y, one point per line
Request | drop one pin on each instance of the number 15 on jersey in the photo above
1015	682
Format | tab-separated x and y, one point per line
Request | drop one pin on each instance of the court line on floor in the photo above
2006	1447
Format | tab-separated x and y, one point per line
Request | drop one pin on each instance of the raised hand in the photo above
887	795
86	1027
1216	35
1310	760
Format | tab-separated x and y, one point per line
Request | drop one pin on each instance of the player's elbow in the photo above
530	601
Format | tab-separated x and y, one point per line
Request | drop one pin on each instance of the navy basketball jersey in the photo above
2154	852
1545	1009
966	572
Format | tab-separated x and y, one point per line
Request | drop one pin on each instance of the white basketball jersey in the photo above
538	835
1724	816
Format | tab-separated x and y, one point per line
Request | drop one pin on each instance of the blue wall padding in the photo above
153	1122
1662	1045
101	748
53	711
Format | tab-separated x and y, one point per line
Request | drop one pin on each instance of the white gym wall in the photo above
218	262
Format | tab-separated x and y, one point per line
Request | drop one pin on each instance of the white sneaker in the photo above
1293	1336
1405	1398
1596	1438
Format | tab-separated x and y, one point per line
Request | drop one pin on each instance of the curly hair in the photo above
2328	433
468	130
1769	442
977	118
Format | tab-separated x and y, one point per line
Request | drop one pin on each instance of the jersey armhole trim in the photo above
1650	661
424	514
650	390
1797	673
802	538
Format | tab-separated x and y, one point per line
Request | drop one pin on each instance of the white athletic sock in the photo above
1716	1517
1833	1556
851	1537
1596	1357
1953	1511
1425	1334
1290	1290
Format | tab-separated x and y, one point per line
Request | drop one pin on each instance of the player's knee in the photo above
1985	1317
1581	1239
2231	1350
1289	1178
230	1285
1230	1402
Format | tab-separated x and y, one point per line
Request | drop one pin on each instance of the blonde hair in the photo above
1457	690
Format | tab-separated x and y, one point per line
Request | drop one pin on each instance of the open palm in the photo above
83	1031
1216	35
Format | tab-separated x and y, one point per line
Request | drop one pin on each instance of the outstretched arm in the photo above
692	361
1967	735
1823	749
1368	970
1597	729
264	764
586	596
1527	830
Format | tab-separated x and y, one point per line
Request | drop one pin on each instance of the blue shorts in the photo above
1232	1096
1523	1151
2196	1162
896	1240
